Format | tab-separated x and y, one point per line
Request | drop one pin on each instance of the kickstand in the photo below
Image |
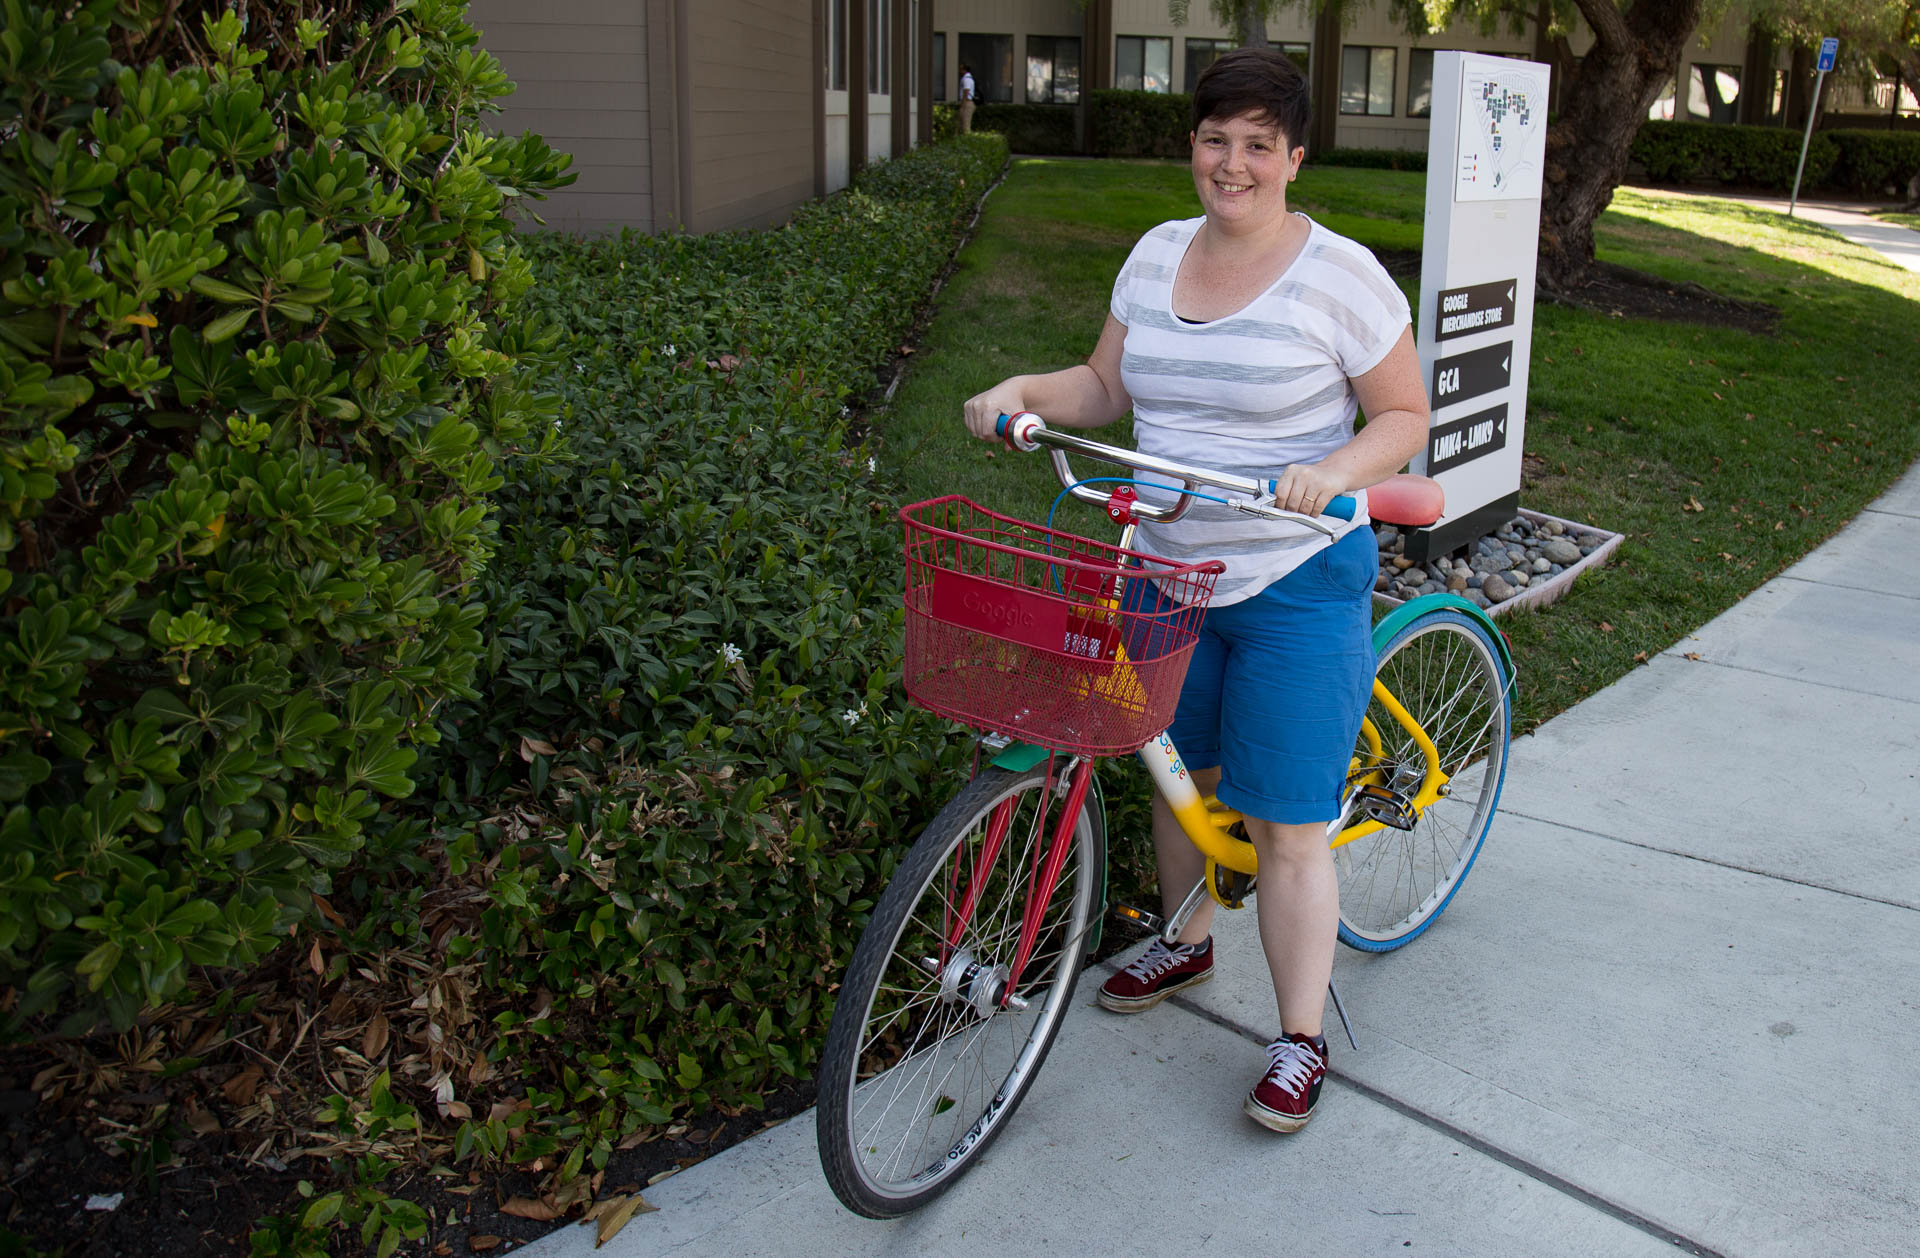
1342	1011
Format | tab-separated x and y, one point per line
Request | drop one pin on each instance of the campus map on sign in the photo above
1503	133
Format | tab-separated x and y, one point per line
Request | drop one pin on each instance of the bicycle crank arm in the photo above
1152	923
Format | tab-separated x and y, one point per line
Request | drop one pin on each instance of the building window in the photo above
939	65
991	57
1143	63
1713	93
1420	83
1299	54
1662	109
836	45
879	47
1053	70
1202	53
1366	81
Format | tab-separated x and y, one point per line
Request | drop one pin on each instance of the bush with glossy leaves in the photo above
259	360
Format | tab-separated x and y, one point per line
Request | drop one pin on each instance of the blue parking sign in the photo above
1829	49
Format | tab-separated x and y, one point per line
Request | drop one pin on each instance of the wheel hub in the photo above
964	980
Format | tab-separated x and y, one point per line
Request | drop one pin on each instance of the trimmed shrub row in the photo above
1042	129
1864	163
1138	124
693	757
1374	159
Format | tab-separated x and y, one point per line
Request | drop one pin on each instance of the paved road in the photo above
1675	1009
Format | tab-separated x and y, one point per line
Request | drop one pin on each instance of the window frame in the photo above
1696	77
985	68
1372	65
1412	70
1055	93
1165	41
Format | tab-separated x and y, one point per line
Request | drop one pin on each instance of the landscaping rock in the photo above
1562	551
1496	589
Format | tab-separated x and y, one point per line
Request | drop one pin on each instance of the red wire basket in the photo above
1046	637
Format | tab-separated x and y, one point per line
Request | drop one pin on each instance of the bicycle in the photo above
969	962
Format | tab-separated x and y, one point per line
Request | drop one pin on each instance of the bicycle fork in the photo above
961	976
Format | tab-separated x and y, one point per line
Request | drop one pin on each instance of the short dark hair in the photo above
1255	81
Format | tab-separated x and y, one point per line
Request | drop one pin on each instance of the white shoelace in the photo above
1157	960
1293	1064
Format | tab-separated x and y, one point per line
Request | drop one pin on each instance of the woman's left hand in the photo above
1309	487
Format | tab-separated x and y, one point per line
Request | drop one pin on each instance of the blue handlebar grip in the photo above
1000	425
1341	508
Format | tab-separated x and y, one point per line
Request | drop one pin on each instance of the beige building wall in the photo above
753	111
582	76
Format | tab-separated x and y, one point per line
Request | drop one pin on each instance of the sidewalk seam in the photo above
1481	1146
1704	860
1674	652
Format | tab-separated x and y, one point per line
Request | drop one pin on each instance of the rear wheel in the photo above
924	1063
1447	671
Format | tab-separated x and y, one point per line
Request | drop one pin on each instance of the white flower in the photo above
873	465
581	368
731	654
852	716
845	411
668	350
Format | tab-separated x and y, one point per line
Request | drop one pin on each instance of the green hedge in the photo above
1138	124
1043	129
1374	159
1875	163
692	739
1753	157
260	353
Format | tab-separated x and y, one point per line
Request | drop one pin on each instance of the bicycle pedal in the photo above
1151	923
1389	808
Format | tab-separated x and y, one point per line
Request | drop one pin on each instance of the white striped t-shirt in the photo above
1264	387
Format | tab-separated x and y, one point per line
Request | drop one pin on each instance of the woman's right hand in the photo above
983	410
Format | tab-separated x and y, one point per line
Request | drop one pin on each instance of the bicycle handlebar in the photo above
1027	431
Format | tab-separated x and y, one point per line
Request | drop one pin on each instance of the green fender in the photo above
1410	611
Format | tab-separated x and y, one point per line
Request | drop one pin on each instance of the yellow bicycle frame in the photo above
1206	820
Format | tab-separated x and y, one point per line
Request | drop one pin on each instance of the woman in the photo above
1244	340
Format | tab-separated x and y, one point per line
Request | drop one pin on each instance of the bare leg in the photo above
1181	863
1298	894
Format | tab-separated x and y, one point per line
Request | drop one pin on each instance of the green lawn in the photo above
1722	455
1895	216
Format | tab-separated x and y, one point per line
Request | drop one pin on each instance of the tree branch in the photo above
1608	23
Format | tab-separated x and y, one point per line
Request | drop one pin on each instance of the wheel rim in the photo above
1393	882
933	1079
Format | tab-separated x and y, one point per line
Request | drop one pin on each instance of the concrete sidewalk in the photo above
1899	245
1673	1009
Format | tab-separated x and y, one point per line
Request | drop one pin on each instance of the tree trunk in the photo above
1250	21
1634	55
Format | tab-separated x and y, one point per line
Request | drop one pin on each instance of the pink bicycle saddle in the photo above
1408	501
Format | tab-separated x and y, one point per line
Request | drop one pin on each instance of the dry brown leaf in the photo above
1639	657
1692	655
1605	627
660	1175
531	747
528	1208
317	959
1691	504
375	1038
239	1090
615	1213
332	914
480	1244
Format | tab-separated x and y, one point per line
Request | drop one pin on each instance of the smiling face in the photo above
1241	168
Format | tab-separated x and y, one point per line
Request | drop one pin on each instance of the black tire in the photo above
1446	668
916	1082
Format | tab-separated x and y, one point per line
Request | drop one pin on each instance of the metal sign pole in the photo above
1829	47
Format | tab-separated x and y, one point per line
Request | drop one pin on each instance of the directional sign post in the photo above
1485	160
1829	51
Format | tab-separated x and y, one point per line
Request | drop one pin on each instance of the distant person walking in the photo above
969	97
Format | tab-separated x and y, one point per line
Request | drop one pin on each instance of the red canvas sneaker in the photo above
1156	974
1286	1095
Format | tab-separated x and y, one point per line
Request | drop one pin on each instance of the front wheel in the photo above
1446	670
924	1061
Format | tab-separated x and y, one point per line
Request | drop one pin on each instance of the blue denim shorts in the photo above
1279	683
